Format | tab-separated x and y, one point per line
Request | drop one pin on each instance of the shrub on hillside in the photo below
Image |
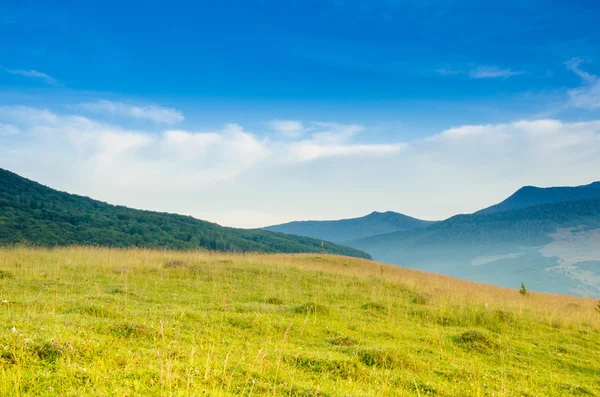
523	290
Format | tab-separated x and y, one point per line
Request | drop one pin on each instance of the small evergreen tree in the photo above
523	291
598	307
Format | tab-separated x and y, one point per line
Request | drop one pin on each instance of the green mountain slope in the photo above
351	229
553	247
530	195
35	214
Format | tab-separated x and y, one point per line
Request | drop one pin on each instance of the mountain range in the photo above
351	229
33	214
548	238
532	195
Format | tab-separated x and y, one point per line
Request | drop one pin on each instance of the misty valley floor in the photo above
107	322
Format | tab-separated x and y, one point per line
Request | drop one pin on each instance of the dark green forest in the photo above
36	215
529	196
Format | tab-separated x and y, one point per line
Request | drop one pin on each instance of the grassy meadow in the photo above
130	322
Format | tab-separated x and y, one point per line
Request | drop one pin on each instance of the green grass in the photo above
101	322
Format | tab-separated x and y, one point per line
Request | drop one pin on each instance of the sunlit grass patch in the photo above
304	325
343	341
89	310
474	340
274	301
310	308
375	307
420	299
128	330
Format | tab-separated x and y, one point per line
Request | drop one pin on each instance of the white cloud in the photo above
8	129
310	150
587	96
447	72
155	113
291	128
28	116
335	140
240	217
492	72
117	158
481	72
234	176
466	131
535	152
34	74
335	132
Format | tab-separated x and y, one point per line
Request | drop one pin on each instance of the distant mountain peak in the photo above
341	230
528	196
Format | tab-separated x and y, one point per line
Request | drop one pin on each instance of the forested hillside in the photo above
34	214
551	247
529	196
529	226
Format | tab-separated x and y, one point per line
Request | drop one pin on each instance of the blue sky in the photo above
345	99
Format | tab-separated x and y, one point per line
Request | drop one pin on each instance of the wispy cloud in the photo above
335	132
493	72
447	72
155	113
150	159
325	140
330	140
291	128
205	157
307	151
331	171
8	129
587	96
35	75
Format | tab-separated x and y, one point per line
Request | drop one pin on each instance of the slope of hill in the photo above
546	246
352	229
149	323
530	195
34	214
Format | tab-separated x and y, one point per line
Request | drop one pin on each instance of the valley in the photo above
547	238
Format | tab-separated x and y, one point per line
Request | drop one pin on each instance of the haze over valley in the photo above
547	238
